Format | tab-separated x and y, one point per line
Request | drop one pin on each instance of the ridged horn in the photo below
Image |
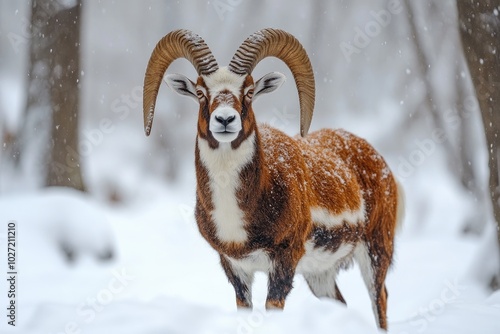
176	44
278	43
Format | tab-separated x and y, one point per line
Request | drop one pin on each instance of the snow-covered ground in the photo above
164	278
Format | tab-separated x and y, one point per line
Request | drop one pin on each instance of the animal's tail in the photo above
400	213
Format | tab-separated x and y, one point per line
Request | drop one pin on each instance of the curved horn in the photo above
176	44
278	43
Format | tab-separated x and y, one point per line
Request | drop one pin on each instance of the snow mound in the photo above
60	218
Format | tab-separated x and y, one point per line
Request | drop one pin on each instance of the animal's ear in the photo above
268	83
181	84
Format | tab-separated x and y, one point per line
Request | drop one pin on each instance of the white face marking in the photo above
224	165
223	79
217	82
225	133
318	259
322	216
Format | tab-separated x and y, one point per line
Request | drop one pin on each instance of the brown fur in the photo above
284	180
291	199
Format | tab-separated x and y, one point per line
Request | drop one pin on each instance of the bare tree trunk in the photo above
46	148
64	166
469	178
480	31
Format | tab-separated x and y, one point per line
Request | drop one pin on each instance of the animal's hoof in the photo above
275	305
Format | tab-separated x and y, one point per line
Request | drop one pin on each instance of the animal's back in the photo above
348	174
345	173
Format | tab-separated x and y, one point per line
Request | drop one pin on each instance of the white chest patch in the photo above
224	165
321	216
317	260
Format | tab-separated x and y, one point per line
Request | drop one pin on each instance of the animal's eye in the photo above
200	93
250	93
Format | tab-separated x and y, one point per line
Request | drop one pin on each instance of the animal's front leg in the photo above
241	281
280	280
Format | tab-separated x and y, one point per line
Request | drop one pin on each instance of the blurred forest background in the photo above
393	72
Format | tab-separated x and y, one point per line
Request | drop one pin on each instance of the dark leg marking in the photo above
242	284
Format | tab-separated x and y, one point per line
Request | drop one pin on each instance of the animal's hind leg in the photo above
324	285
374	267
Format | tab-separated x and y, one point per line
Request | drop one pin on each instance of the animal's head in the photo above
226	94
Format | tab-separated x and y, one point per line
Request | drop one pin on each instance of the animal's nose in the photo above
225	121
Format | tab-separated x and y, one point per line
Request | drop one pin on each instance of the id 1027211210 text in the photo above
11	272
